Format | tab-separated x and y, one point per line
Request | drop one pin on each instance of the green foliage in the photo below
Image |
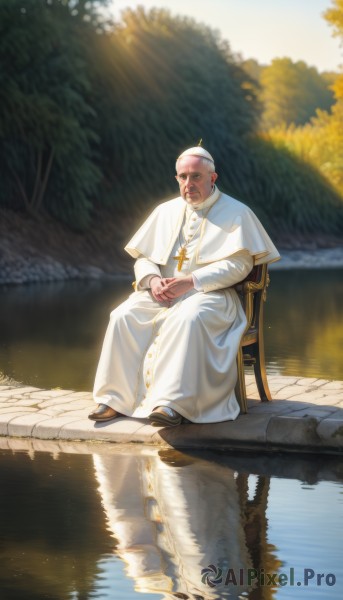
253	68
292	193
46	124
292	92
162	83
93	113
320	142
334	16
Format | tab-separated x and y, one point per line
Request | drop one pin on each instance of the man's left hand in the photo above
173	287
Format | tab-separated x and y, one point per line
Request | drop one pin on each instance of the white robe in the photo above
183	355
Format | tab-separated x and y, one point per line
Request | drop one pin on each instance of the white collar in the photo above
210	200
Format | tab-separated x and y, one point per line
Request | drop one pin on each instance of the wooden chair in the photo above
252	292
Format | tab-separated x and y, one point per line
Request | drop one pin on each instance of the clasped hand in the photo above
168	288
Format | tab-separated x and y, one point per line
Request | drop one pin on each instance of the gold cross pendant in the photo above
181	258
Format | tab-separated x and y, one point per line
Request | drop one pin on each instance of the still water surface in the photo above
109	523
51	334
126	524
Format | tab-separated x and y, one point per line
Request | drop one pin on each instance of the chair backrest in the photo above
252	292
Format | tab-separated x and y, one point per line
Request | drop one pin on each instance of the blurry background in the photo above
96	102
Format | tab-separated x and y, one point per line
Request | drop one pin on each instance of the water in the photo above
126	524
51	334
304	323
105	522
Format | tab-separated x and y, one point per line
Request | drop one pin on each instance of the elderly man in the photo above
170	349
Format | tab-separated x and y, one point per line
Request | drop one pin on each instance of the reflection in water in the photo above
172	516
51	334
168	515
304	323
51	529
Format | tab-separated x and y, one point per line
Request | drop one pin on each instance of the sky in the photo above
262	29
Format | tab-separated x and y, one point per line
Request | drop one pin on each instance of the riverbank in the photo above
46	251
318	258
306	415
42	251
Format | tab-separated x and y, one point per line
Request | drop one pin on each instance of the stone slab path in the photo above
306	415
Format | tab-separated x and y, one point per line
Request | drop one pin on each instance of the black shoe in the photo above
103	413
164	415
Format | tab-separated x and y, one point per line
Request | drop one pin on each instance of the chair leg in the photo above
240	389
260	373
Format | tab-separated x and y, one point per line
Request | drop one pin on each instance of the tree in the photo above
95	113
293	194
334	16
47	128
320	143
161	84
253	68
292	92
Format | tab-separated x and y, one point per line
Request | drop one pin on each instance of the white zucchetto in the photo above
196	151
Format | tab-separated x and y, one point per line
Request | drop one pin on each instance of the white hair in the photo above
203	161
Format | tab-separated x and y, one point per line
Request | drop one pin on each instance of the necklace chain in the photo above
182	257
186	242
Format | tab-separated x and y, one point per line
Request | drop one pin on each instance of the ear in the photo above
214	177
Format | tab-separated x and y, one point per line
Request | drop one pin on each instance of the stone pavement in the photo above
306	415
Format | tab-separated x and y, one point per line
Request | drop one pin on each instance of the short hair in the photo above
204	161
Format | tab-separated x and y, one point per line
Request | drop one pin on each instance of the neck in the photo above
211	199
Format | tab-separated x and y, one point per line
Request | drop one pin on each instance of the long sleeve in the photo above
144	269
223	273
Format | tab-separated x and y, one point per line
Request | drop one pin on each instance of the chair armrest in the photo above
255	281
